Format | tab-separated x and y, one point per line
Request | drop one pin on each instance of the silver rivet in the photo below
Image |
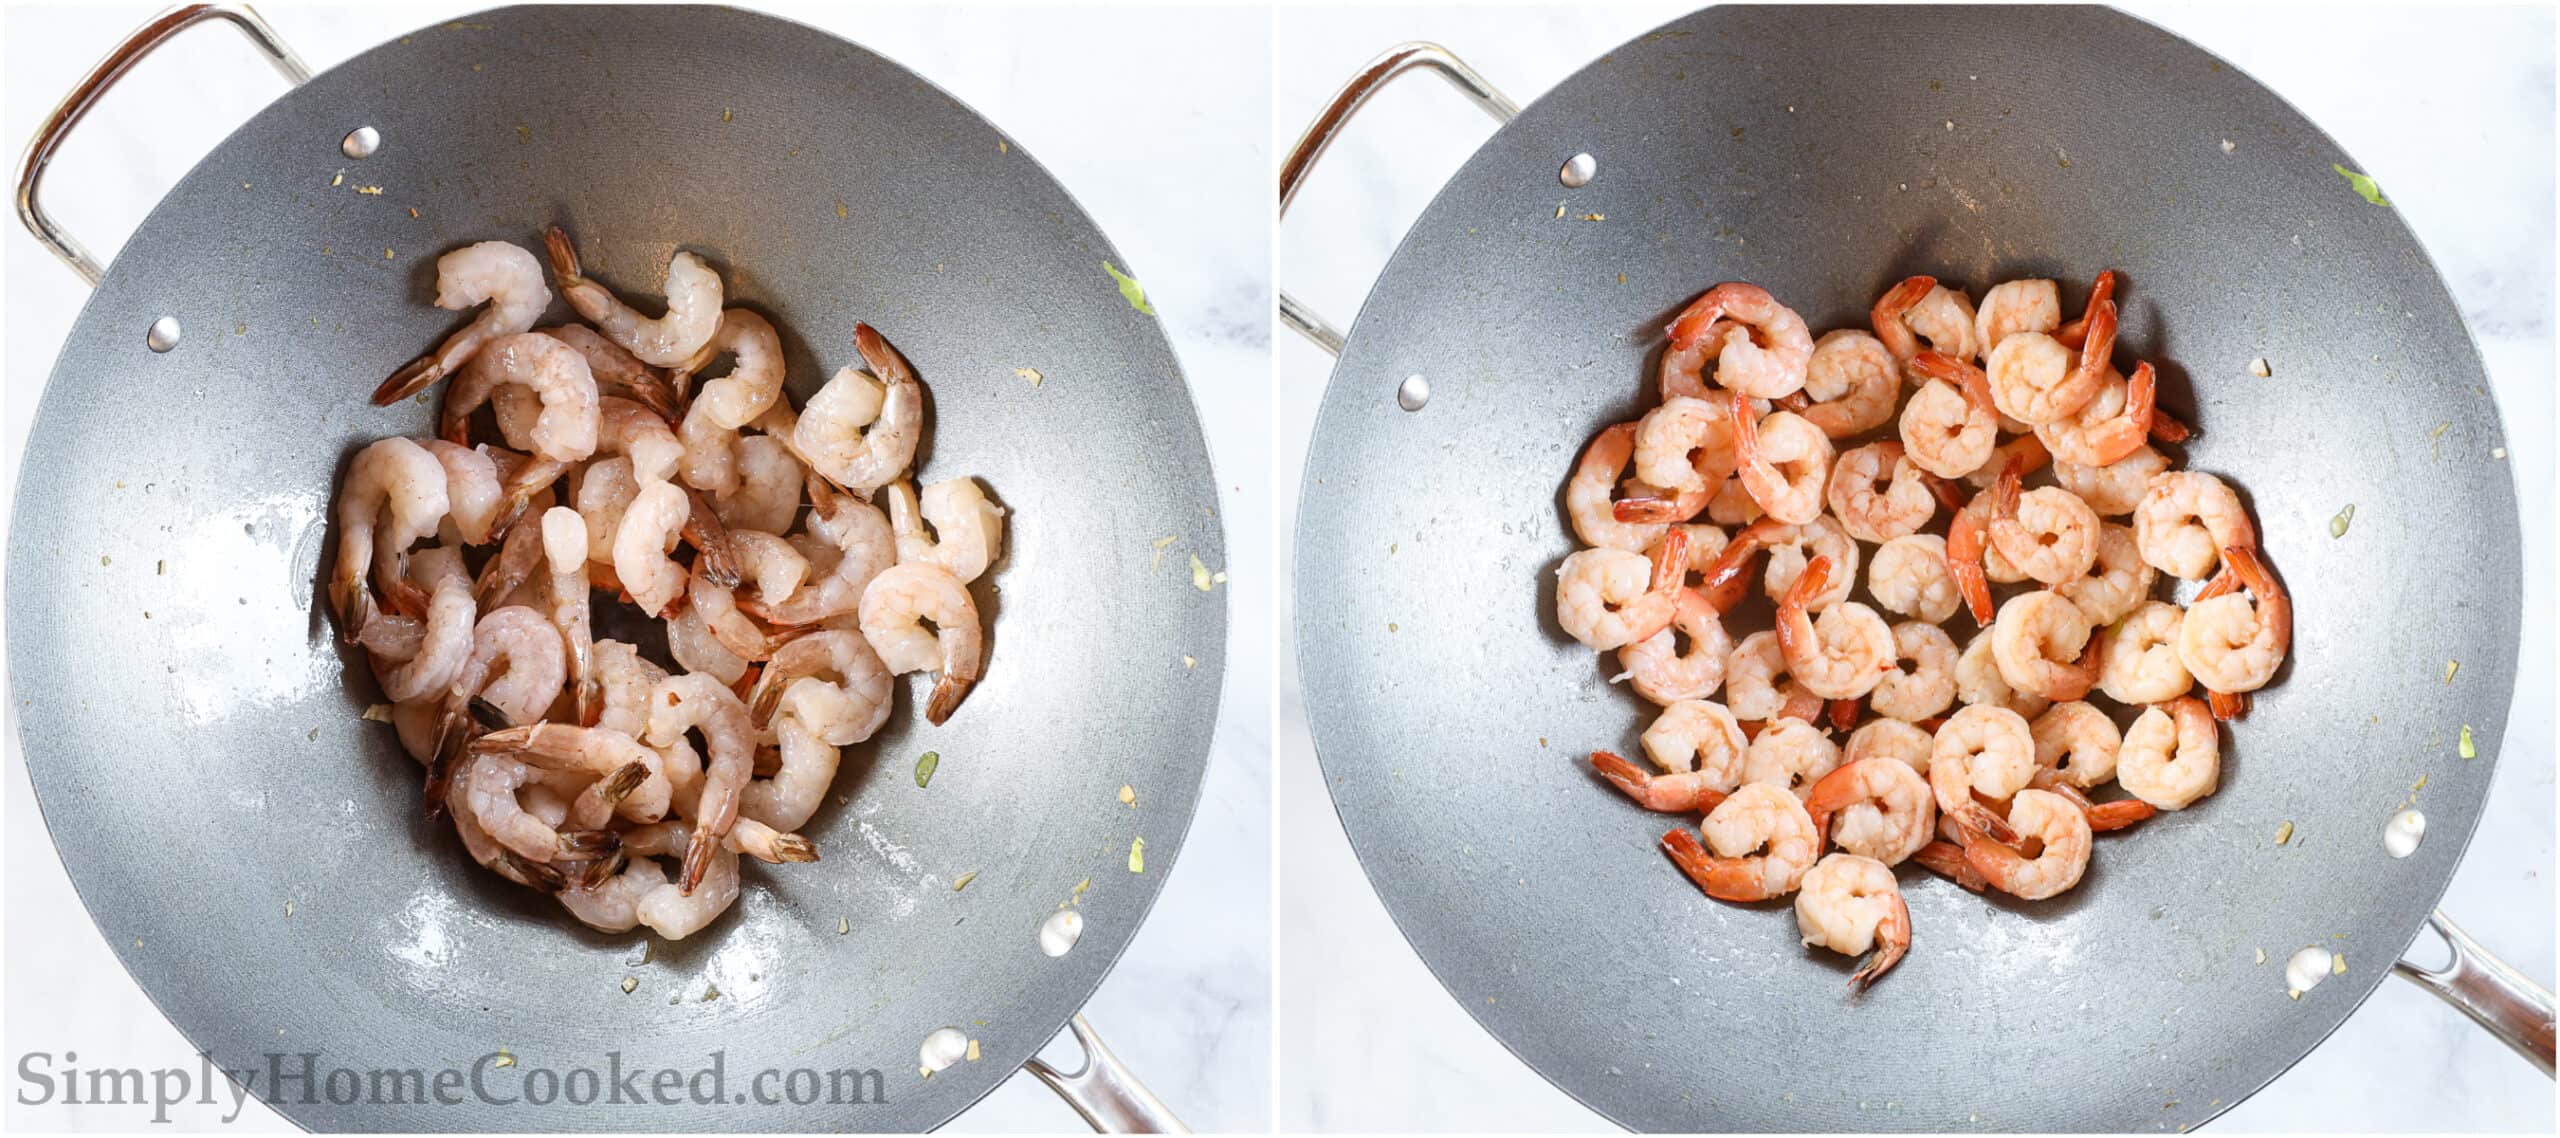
361	142
163	335
1578	170
1413	393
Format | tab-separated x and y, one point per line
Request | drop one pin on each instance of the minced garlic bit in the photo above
1559	210
841	212
843	926
2468	751
1029	373
288	907
2284	833
2338	964
506	1058
1188	662
1128	797
973	1051
2258	367
370	191
1137	855
386	254
1199	574
964	881
2498	452
2228	146
710	992
376	713
2450	667
2338	525
1081	886
2262	956
338	179
629	983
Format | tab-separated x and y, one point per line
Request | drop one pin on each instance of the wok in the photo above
1806	150
255	852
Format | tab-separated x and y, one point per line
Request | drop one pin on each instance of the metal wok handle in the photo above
1397	60
2497	997
75	105
1111	1099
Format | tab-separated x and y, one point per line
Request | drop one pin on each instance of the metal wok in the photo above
1805	149
255	852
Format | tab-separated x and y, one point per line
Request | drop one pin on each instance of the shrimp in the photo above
534	666
1978	680
619	373
1852	382
2040	643
2228	643
1698	737
1884	809
398	486
1920	307
2057	829
627	428
1968	553
693	305
564	550
1661	671
695	648
565	429
594	753
2048	534
1707	547
1909	576
625	679
602	493
1589	495
1792	547
2116	582
1731	505
1928	689
444	640
2114	423
471	489
672	910
967	531
2138	659
1851	905
649	528
1889	739
1841	656
2016	306
2034	379
2113	490
2103	817
717	608
766	496
1763	842
1766	348
1685	445
847	693
1950	425
698	702
893	610
863	544
489	785
1789	753
2172	755
1900	508
2078	743
859	431
1610	598
753	383
1677	793
1751	685
1782	460
2185	519
507	278
2026	452
1981	752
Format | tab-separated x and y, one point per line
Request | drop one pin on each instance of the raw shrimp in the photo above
1978	680
695	648
2138	656
2040	643
565	429
698	702
2172	755
506	277
860	538
1762	842
398	486
592	752
1981	750
625	679
1589	497
1677	793
1909	576
1751	685
1950	425
1852	383
1840	656
2047	533
613	905
1685	445
2228	642
1782	460
2016	306
693	305
1698	737
564	551
517	665
2114	423
2052	823
894	609
860	431
1851	905
1766	348
1790	754
672	910
1919	307
471	489
1662	671
1791	547
619	373
1883	808
649	528
634	431
1928	689
602	494
967	533
832	681
2034	379
754	382
1889	739
2116	582
2077	742
1610	598
2184	521
717	608
767	494
1870	507
2115	489
428	666
489	783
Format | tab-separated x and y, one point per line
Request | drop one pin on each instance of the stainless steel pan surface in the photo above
256	853
1811	151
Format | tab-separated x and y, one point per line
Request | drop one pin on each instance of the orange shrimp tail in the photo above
2166	427
1801	705
2100	342
1671	561
2227	706
1725	879
1946	859
1794	401
1844	714
1746	432
1950	496
2076	333
2118	815
1728	579
1979	822
1626	776
1898	300
1964	563
1829	794
1893	938
1654	509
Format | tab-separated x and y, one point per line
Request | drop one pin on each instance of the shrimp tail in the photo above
1893	939
1844	714
1657	509
356	609
602	869
1946	859
948	691
2118	815
2166	427
589	843
1795	628
793	848
698	852
2076	333
619	785
1725	879
1964	563
413	377
543	877
1671	561
2141	408
717	558
564	256
2227	706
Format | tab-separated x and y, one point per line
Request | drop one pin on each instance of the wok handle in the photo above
1398	60
1111	1099
2494	995
75	105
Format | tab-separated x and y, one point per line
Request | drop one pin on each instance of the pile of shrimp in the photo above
473	575
1984	763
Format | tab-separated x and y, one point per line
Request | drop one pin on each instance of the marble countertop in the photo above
1188	1005
2452	110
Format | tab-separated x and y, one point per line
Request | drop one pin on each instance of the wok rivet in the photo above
163	335
1413	393
1578	170
361	142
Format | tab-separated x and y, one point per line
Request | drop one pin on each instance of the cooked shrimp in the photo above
1731	505
2035	380
2026	452
1852	383
698	702
1950	425
1765	347
894	609
1590	495
672	910
863	545
592	752
2172	755
2074	334
2115	489
1889	739
2138	656
2016	306
1610	598
2184	521
967	530
2077	742
1883	808
1666	673
2055	827
693	305
2114	423
2119	579
1698	737
1762	842
1851	905
506	277
766	496
2040	643
1928	688
1978	680
2047	533
1790	753
1983	751
2229	642
1751	686
861	431
398	486
1677	793
648	531
1870	507
1920	307
1968	553
753	383
847	693
1782	460
2103	816
427	666
1685	444
1840	656
1909	576
1790	548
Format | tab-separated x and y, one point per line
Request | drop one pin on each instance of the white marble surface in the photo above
2451	110
1179	180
